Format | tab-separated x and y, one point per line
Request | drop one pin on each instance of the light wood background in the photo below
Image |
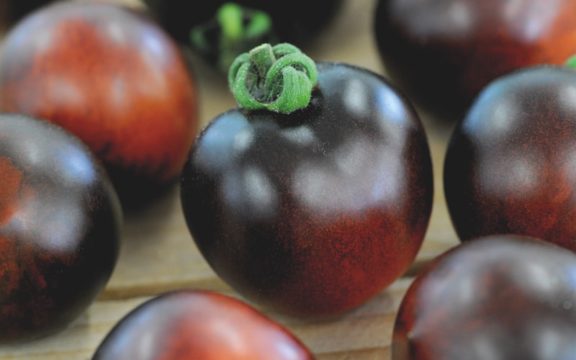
158	253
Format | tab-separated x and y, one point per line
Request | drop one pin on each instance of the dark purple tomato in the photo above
111	77
501	297
59	228
13	10
510	164
443	52
198	325
295	21
316	211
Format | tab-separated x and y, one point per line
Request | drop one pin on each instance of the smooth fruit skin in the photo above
203	325
443	52
59	228
314	212
111	77
509	167
501	297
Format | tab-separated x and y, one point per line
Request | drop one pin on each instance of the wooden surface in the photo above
158	253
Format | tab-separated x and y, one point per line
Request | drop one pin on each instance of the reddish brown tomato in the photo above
317	211
109	76
510	164
503	297
59	228
199	325
443	52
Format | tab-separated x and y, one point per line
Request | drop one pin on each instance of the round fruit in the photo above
112	78
311	210
59	228
199	325
510	164
504	297
443	52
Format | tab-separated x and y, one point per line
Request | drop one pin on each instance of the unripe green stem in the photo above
279	79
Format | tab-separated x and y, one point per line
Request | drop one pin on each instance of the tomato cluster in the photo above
310	197
508	174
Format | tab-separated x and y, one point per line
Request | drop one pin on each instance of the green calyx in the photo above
571	62
238	29
278	79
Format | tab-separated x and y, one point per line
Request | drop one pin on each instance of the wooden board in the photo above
158	253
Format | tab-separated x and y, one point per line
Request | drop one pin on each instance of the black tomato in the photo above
315	211
443	52
59	228
502	297
510	164
220	36
189	324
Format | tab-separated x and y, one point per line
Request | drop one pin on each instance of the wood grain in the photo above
159	255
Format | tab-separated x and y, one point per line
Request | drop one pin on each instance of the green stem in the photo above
278	79
263	58
230	20
238	28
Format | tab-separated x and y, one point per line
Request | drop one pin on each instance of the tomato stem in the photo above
278	79
236	29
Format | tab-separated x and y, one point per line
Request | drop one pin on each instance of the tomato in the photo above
501	297
509	165
112	78
316	210
59	228
189	324
443	52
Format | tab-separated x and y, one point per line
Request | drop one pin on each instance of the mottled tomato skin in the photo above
443	52
510	164
501	297
314	212
203	325
59	228
111	77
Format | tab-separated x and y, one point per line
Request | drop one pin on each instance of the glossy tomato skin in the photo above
59	228
112	78
509	165
443	52
295	21
189	324
501	297
314	212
